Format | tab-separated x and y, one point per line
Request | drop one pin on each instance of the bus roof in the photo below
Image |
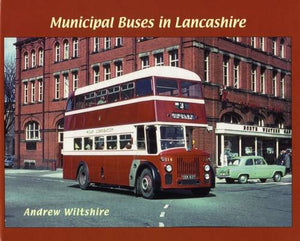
159	71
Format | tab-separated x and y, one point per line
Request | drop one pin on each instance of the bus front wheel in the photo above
146	184
83	177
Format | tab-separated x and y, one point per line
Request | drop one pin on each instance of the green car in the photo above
250	167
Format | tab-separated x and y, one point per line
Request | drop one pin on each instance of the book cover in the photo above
246	55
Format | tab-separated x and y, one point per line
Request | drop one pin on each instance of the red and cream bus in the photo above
136	131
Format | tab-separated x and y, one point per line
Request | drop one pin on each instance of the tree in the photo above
9	95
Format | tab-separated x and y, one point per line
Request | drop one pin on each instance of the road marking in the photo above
161	225
166	206
162	215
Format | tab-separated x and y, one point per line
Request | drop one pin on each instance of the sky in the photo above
9	48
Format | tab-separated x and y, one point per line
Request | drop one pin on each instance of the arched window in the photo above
60	130
259	120
57	52
41	57
279	122
75	47
66	49
33	59
231	117
282	49
32	131
26	61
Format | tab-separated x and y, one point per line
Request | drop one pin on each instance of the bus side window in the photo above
125	142
99	143
141	138
127	91
88	143
113	94
111	142
151	139
77	144
79	102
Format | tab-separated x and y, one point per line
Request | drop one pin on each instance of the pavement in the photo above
58	173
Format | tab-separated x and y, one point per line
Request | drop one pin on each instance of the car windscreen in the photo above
234	162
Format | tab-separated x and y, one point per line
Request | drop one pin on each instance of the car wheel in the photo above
147	184
243	179
229	180
263	179
277	177
83	177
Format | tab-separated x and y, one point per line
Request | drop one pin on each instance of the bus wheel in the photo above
147	184
83	177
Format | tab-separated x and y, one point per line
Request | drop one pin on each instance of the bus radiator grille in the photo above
188	169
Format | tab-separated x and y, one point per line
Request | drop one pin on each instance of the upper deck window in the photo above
127	91
191	89
167	87
143	87
113	93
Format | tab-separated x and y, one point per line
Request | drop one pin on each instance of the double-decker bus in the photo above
136	131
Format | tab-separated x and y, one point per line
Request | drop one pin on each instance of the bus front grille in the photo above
187	169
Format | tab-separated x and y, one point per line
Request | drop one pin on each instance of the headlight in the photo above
207	168
169	168
206	176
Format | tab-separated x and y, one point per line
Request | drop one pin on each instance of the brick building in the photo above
246	83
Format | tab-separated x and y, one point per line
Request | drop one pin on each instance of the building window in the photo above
259	121
96	74
107	43
119	42
236	74
75	80
66	49
206	66
32	131
274	83
282	87
41	57
145	62
57	87
262	43
159	59
57	52
119	68
75	48
60	131
274	46
253	78
282	49
26	61
40	81
25	92
66	85
96	45
231	118
107	73
32	91
173	58
262	81
225	70
33	59
253	42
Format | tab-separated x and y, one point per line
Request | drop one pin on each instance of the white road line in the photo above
166	206
162	214
161	225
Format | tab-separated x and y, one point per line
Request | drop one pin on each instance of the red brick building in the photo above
246	83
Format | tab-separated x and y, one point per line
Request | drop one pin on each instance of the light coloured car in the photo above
243	168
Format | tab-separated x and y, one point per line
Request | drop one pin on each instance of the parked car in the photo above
243	168
9	161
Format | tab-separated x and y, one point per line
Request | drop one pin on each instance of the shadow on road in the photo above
169	194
